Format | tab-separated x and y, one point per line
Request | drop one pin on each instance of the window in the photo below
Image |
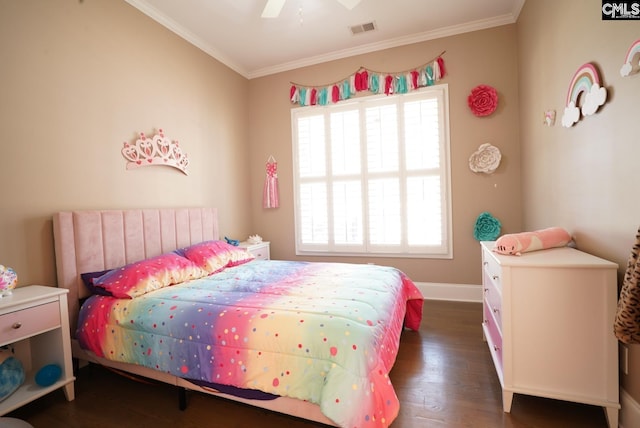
371	176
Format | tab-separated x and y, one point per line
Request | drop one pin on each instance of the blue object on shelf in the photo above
11	377
48	375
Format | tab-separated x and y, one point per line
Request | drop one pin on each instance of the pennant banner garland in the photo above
369	80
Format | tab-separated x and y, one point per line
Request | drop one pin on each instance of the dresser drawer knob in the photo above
16	325
495	310
495	277
496	348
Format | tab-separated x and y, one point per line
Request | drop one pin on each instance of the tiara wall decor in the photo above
155	150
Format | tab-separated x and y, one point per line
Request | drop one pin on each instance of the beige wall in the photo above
582	178
485	57
77	79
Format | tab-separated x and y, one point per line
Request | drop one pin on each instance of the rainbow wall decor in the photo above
627	67
587	81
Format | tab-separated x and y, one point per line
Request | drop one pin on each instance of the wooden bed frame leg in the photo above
182	398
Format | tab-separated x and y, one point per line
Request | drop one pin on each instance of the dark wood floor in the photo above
444	377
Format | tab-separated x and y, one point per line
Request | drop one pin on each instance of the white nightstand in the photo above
260	250
34	322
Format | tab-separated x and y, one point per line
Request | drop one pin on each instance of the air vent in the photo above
363	28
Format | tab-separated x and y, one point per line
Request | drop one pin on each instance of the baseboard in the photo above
630	411
453	292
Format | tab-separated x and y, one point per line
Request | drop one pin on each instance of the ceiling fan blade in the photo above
349	4
272	8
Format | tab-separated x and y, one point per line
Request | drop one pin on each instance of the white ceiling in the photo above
309	32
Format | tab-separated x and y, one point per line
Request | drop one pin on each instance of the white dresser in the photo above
548	321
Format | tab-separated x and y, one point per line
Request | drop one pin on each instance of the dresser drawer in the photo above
28	322
493	335
492	298
492	269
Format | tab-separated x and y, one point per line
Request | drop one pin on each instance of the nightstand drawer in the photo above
261	253
260	250
28	322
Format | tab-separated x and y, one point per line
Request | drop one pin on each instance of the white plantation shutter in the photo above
311	147
371	176
345	143
313	213
347	213
424	209
382	138
424	155
384	213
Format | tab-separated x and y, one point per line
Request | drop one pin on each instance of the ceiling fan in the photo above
273	7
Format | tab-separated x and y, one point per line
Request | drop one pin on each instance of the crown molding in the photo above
196	41
387	44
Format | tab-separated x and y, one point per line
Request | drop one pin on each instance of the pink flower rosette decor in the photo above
483	100
8	280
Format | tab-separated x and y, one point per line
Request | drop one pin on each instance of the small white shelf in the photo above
37	340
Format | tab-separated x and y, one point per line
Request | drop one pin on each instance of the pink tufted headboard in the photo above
90	241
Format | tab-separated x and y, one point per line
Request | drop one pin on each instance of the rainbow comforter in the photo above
327	333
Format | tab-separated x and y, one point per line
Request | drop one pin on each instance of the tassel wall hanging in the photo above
369	80
270	197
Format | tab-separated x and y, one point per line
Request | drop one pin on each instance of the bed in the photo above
311	340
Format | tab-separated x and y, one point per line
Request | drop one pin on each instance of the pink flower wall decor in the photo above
483	100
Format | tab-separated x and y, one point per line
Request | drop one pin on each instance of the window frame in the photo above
443	251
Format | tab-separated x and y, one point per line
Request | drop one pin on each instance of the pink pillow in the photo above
213	256
141	277
518	243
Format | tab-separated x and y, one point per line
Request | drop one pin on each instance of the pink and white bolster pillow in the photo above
518	243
